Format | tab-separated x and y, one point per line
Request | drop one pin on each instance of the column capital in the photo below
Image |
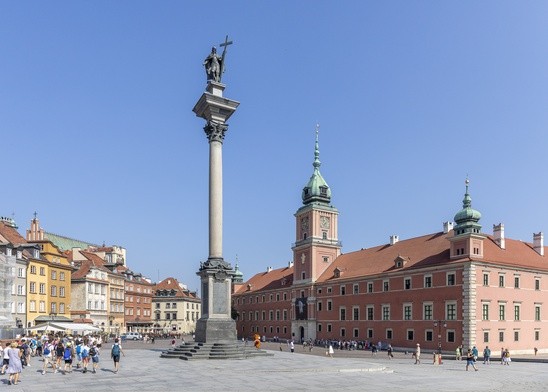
215	132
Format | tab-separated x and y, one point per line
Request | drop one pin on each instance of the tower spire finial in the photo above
317	162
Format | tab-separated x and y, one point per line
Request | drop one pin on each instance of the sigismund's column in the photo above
216	324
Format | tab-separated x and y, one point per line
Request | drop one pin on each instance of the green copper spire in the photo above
317	189
467	219
237	276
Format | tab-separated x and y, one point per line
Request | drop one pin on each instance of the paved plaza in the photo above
143	370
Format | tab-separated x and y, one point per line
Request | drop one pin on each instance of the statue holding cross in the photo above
215	64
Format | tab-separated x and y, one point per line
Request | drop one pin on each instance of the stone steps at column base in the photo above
198	351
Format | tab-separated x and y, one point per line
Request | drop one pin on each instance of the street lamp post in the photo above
439	324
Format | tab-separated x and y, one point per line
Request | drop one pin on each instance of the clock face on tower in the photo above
324	222
304	223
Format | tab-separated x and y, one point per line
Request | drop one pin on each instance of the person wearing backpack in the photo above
85	356
78	354
48	357
68	354
115	354
94	355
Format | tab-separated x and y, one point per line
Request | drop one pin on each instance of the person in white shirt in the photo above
47	354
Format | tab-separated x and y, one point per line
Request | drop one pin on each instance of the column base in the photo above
215	330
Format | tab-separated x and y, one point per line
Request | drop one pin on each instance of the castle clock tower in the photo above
316	247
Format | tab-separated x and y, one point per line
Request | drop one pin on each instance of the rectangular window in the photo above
407	312
342	314
54	291
486	279
42	288
42	306
427	281
516	336
329	305
486	337
62	291
370	333
537	284
42	271
319	306
485	311
32	306
389	334
516	282
407	283
516	312
356	289
271	315
428	311
263	314
537	312
53	307
385	285
356	333
370	312
61	276
386	312
319	328
343	290
285	314
370	287
54	275
429	335
356	313
501	336
21	273
451	311
20	289
33	269
451	279
410	334
451	336
501	312
501	280
537	335
329	290
329	328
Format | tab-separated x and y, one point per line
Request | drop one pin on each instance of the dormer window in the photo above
323	191
36	254
399	262
337	273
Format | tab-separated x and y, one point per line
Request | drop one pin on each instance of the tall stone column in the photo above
215	324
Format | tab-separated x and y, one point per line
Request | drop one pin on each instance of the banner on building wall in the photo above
301	309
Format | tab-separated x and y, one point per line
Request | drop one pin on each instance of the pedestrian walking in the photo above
115	352
48	357
68	354
5	358
15	366
94	355
470	361
458	354
417	354
330	351
85	356
389	351
487	355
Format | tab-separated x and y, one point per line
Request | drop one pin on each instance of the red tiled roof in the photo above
173	284
429	250
275	279
92	261
11	234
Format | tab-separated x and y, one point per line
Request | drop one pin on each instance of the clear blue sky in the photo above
98	134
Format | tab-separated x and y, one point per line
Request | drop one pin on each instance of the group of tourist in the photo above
60	352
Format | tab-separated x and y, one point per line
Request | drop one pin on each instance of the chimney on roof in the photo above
498	233
394	239
268	269
290	264
538	243
447	227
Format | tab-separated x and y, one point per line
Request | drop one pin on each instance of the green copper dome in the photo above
237	275
317	189
467	219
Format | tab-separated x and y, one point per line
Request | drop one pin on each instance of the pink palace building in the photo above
443	289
